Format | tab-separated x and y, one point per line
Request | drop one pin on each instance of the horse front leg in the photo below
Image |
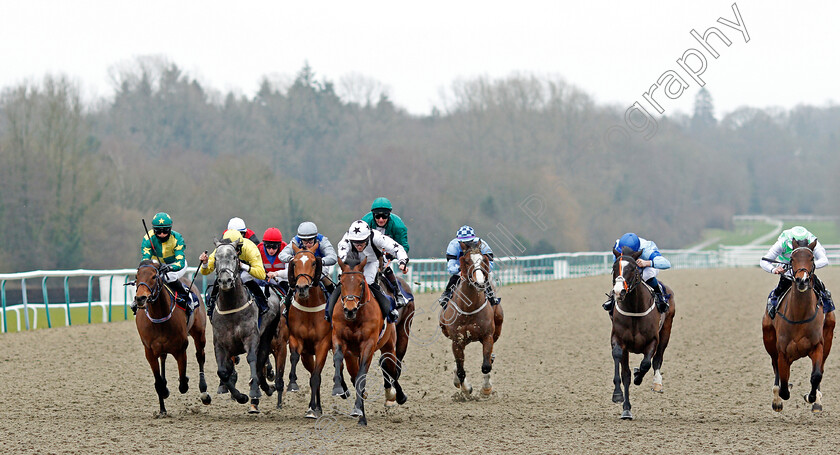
280	351
460	380
625	380
200	342
644	367
321	351
782	390
815	396
487	364
251	358
617	353
227	375
160	381
361	380
183	379
295	358
339	387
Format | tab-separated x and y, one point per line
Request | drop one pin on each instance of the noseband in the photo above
471	272
803	269
155	292
620	278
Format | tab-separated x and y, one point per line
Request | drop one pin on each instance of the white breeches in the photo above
649	272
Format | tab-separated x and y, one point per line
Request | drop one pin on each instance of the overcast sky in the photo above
613	50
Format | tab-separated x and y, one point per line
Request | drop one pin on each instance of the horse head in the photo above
227	263
475	267
626	274
802	264
353	288
305	269
147	283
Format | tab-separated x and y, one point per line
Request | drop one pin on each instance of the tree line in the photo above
76	178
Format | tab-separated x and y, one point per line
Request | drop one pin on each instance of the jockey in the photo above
381	219
270	249
780	251
464	238
238	224
360	242
651	262
168	248
251	268
307	236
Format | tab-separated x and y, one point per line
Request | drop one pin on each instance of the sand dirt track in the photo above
88	389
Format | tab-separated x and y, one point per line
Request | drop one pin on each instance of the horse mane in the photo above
353	259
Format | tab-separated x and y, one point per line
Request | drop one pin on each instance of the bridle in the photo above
803	269
353	297
470	273
154	294
311	278
233	271
636	278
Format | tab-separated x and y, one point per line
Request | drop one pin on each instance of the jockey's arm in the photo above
390	246
328	254
287	253
774	252
453	250
820	257
207	269
180	260
251	255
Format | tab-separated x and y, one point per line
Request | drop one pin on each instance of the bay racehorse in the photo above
637	327
469	317
279	348
310	335
238	328
799	329
163	329
359	330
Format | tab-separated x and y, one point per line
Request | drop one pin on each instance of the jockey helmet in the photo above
237	224
307	230
799	233
630	240
233	235
465	234
381	204
273	234
359	231
161	220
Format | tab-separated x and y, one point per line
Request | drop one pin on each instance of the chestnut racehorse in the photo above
163	329
359	330
469	317
310	335
637	327
799	329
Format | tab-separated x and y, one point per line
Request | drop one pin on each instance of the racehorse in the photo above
403	323
163	329
359	329
469	317
238	328
800	329
310	335
279	348
636	327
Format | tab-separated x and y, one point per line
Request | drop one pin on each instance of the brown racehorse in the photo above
469	317
637	327
359	330
163	329
800	329
310	335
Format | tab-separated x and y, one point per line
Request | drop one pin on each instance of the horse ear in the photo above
637	254
616	253
295	248
216	242
342	265
812	245
315	246
363	263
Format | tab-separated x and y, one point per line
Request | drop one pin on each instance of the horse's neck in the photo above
638	300
800	304
160	307
314	298
471	296
230	299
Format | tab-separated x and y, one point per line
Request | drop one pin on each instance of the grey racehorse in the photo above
238	328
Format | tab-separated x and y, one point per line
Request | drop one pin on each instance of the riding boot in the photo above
395	287
331	303
447	293
259	296
824	295
211	300
182	297
384	303
491	296
773	298
661	303
610	303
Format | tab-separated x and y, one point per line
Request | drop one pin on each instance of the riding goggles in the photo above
272	245
162	230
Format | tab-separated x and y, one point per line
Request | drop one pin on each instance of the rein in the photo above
235	272
629	288
357	298
810	282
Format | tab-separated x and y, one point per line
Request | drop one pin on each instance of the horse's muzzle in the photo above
303	291
802	285
140	300
350	315
225	284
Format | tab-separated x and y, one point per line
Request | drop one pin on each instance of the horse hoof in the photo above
486	392
310	414
777	406
222	389
390	394
657	388
270	390
269	373
205	398
242	398
626	415
253	409
362	422
293	387
356	412
390	403
466	389
618	397
401	399
816	408
183	388
160	415
165	393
